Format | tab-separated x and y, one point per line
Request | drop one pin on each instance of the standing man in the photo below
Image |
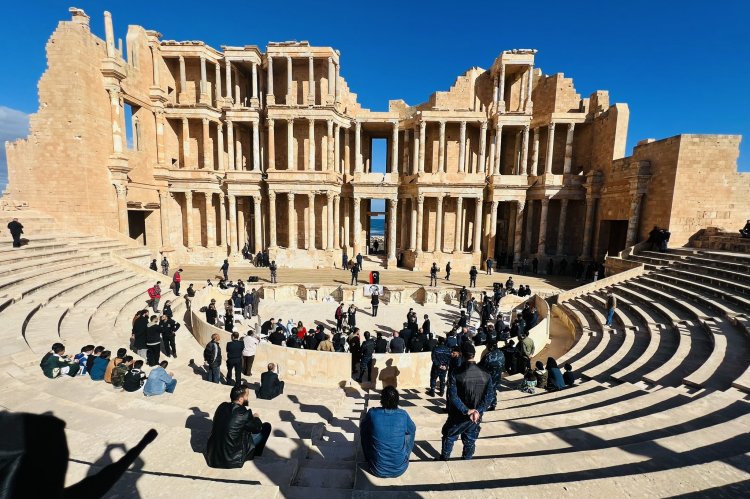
611	306
462	295
470	308
225	269
16	229
212	359
344	260
153	341
250	346
441	358
433	274
426	327
256	301
176	282
234	358
154	294
359	260
339	316
165	266
473	276
448	271
375	301
470	393
397	344
355	275
365	362
489	265
273	268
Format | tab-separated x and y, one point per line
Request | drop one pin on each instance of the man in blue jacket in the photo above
387	435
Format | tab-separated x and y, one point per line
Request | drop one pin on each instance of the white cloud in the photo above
14	124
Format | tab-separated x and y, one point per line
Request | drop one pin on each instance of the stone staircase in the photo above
662	408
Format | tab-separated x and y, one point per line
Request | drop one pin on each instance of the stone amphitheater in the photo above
661	410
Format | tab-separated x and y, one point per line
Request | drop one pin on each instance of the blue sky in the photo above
683	67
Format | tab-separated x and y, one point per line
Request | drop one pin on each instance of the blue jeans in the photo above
435	374
171	386
610	316
214	374
468	431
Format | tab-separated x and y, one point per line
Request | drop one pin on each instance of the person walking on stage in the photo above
16	229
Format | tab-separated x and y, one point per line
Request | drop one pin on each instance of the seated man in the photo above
134	378
55	363
159	381
387	435
270	386
569	377
237	434
745	231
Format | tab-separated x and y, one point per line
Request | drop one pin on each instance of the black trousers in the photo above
472	282
354	280
176	288
365	367
16	240
153	352
374	310
236	365
169	346
247	364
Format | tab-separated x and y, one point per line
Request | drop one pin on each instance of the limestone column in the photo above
347	224
633	221
336	83
210	220
257	224
272	218
163	216
481	167
311	80
439	225
587	227
207	153
160	149
405	218
561	227
529	225
441	148
569	148
238	148
217	84
420	221
357	224
311	229
518	230
529	104
289	96
122	208
256	144
525	151
458	240
501	103
422	133
550	148
270	99
109	34
413	225
311	144
392	207
337	148
204	82
183	81
394	149
347	152
271	145
542	246
229	79
185	142
329	147
405	169
230	144
331	80
329	221
220	145
476	244
493	229
291	164
293	224
233	236
462	148
336	222
223	221
189	218
498	147
357	147
494	92
237	99
535	153
415	155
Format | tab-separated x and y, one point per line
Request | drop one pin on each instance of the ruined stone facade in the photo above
196	151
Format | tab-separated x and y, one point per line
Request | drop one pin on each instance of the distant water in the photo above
377	227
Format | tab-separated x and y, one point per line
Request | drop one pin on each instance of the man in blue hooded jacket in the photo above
387	435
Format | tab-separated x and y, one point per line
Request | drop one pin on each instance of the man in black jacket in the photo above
470	393
153	342
212	359
381	344
365	362
237	434
168	329
16	229
234	359
406	336
417	343
140	325
270	385
397	344
277	337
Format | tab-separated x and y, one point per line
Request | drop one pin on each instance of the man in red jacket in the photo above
176	282
154	294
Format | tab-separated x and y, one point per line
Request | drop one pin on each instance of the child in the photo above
134	378
569	376
83	357
541	374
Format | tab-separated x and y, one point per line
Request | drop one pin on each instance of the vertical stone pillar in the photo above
254	77
163	217
189	218
210	220
229	79
476	244
336	84
311	144
155	65
494	92
542	246
160	149
493	229
223	221
331	80
256	144
270	99
217	84
329	147
357	147
422	133
462	148
420	221
405	169
550	149
258	223
357	224
525	151
183	81
501	103
441	148
481	167
633	221
535	153
569	148
311	218
529	225
204	82
271	145
439	225
311	80
559	250
347	152
347	223
122	208
291	164
272	218
394	148
109	34
498	147
588	226
207	153
329	220
529	104
404	225
415	155
413	224
289	96
518	230
185	142
293	224
230	144
220	145
238	148
392	208
336	222
337	148
237	98
233	236
458	245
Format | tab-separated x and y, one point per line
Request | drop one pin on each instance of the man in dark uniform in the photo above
381	344
225	269
355	275
462	295
406	336
448	271
433	274
359	260
16	229
365	362
473	276
441	357
470	392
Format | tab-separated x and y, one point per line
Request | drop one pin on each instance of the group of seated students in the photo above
547	377
122	372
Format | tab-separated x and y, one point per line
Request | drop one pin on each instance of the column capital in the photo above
483	125
121	190
545	200
229	120
551	125
329	194
420	198
272	195
422	125
205	121
269	121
